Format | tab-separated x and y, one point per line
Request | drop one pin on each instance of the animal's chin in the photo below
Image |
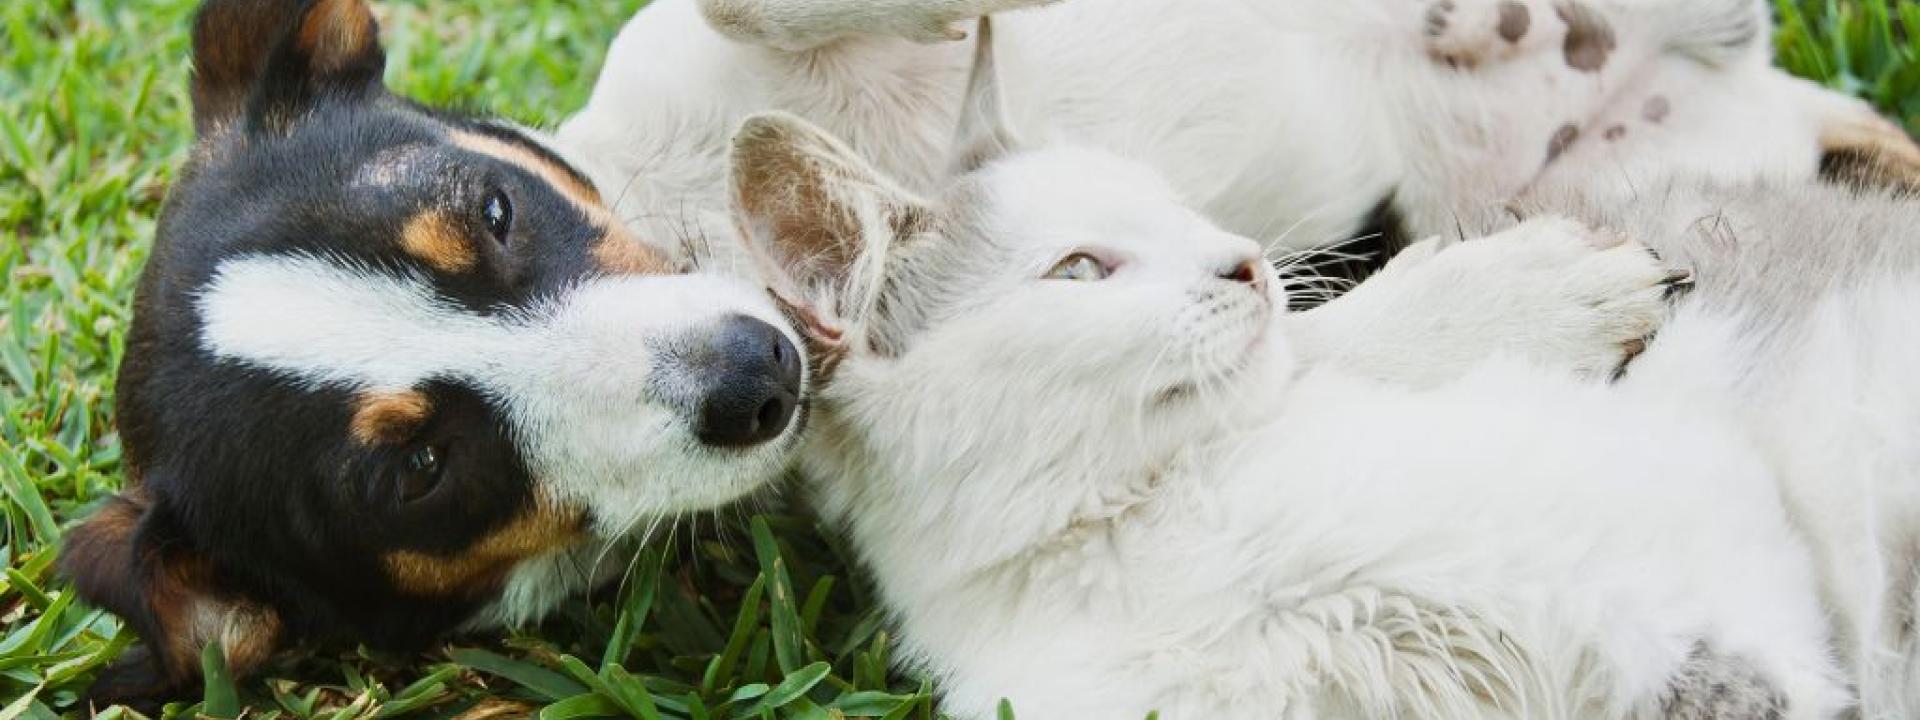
1218	379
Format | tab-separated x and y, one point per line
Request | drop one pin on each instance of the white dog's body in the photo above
1288	121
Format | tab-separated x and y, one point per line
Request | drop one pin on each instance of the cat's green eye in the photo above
1079	267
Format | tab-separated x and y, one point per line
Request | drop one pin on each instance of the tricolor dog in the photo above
394	370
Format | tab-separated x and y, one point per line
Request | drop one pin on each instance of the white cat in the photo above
1096	469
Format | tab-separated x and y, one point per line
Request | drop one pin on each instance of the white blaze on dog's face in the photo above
604	382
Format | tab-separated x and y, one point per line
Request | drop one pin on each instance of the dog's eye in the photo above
421	475
1079	267
497	212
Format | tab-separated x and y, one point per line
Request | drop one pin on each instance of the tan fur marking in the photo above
1885	156
190	617
434	239
335	32
389	418
481	567
621	252
580	193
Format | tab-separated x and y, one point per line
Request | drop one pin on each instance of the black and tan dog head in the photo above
390	365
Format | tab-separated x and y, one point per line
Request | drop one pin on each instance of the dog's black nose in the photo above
750	391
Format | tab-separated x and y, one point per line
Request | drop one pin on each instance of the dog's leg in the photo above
1550	290
798	25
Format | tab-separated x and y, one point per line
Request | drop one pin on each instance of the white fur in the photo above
1101	499
1281	120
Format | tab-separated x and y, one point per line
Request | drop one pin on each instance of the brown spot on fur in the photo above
1615	133
389	418
580	193
435	239
481	567
1656	109
1562	139
1515	20
337	32
1590	40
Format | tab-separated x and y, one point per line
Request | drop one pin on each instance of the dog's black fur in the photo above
258	513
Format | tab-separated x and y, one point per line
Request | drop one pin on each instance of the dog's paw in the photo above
1575	297
1466	33
937	22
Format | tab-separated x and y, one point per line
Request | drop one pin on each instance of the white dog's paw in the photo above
949	20
1575	297
1466	33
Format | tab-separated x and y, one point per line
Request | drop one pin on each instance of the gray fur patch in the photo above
1562	139
1515	19
1712	686
1590	39
1656	109
1436	19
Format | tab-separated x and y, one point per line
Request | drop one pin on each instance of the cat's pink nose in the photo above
1247	270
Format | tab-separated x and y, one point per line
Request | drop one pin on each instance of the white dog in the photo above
1296	122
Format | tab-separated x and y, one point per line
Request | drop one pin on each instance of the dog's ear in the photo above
263	61
985	132
129	558
815	206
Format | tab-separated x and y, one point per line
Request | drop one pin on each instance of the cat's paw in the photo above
937	22
1466	33
1580	298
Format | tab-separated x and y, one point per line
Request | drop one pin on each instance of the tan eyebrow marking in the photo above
389	418
436	240
580	193
618	250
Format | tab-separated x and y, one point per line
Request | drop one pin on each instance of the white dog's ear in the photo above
812	204
985	132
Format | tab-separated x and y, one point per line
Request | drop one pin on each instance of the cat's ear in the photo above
264	62
985	132
815	206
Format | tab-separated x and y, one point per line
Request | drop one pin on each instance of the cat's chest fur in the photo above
1360	525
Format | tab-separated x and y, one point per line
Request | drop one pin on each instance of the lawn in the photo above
734	617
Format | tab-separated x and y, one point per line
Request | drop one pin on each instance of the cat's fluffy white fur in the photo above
1288	121
1157	491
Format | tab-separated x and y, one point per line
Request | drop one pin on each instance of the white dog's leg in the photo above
799	25
1551	290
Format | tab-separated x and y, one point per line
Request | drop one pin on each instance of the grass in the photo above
750	620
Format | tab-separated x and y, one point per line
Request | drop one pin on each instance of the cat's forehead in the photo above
1074	191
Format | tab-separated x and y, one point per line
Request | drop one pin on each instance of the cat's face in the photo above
1069	281
1053	294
